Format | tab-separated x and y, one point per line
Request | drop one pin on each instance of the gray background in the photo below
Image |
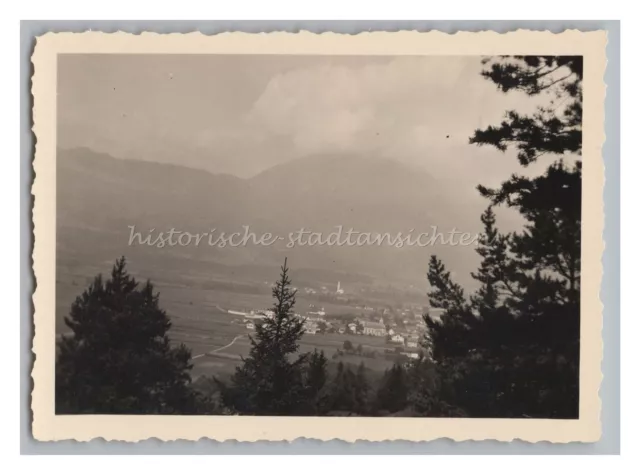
610	292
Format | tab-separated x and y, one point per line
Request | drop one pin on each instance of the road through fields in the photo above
218	349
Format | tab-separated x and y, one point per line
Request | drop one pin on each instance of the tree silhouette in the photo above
393	391
556	128
362	390
119	359
315	380
427	395
349	391
512	348
270	379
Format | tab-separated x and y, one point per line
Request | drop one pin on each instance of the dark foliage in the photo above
550	130
349	391
362	390
119	359
315	379
392	396
505	353
270	380
512	348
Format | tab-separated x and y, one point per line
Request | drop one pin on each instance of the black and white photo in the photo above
374	236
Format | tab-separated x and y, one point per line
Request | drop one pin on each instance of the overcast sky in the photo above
243	114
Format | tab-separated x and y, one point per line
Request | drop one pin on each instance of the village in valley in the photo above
403	328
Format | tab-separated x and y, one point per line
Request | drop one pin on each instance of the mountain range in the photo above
99	197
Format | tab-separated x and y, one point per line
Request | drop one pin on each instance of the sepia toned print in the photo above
250	237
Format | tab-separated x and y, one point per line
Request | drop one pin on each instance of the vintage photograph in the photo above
319	235
334	235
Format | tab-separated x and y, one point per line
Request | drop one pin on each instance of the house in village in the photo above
310	327
251	326
397	339
315	317
374	329
412	341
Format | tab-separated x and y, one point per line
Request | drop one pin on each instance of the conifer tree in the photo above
512	348
362	390
545	266
270	379
450	333
392	395
119	359
427	395
343	391
555	128
493	248
315	383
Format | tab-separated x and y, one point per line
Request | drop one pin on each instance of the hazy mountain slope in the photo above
366	194
99	197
